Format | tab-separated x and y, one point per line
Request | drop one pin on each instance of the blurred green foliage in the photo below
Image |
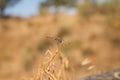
63	32
28	58
3	4
75	44
87	8
112	14
45	6
43	11
84	10
88	52
7	3
110	9
6	56
44	44
58	3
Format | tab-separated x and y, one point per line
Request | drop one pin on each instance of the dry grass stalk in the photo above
45	69
65	64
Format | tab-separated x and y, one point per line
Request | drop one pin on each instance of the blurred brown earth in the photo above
87	39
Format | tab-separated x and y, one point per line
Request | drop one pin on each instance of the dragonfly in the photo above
59	41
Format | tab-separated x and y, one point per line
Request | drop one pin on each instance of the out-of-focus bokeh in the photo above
90	30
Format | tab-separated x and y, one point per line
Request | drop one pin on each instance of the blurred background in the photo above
90	30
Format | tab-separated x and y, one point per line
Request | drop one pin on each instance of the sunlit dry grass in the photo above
25	53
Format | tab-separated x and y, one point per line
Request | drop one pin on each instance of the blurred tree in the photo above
43	8
92	5
3	4
58	3
84	9
88	8
7	3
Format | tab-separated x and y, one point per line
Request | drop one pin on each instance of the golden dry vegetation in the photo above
27	52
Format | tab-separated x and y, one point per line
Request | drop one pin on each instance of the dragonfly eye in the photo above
58	40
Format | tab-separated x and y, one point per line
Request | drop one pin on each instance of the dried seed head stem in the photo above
59	41
46	67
